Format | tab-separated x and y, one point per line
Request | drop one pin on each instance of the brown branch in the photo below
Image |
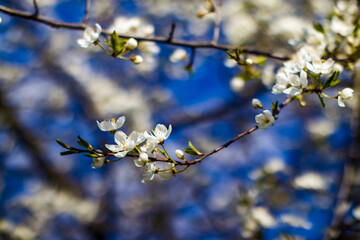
36	7
172	31
216	33
87	11
161	40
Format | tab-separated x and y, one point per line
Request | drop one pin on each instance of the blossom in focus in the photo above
149	172
318	65
168	173
160	134
90	36
345	95
178	55
131	44
111	125
264	120
124	145
282	82
297	84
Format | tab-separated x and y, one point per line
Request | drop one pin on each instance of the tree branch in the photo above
161	40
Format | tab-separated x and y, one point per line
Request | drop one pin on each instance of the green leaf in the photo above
194	149
62	144
116	44
93	155
84	143
331	79
231	55
190	151
321	100
68	152
315	77
274	107
319	27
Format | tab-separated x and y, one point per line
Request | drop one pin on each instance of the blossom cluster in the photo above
144	145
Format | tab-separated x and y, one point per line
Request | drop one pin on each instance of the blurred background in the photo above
275	184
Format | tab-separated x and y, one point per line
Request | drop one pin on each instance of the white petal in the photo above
168	132
293	91
113	148
341	102
121	154
120	122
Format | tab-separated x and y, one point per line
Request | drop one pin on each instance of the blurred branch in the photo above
172	31
36	7
163	40
351	166
87	12
216	33
34	147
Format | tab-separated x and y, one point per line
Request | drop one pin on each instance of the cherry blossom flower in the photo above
149	172
90	36
111	125
160	134
124	145
345	95
142	160
297	84
168	173
282	81
265	120
256	103
137	59
318	65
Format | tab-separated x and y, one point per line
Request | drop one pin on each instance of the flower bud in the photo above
137	59
256	103
144	156
179	154
178	55
131	44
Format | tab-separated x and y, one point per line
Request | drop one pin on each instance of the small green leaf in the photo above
194	149
68	152
319	27
231	55
116	44
62	144
274	107
321	100
84	143
331	79
93	155
315	77
190	151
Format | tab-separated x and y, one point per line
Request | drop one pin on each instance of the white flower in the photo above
178	55
149	147
282	82
237	84
111	125
168	173
137	59
98	162
345	95
318	65
265	120
142	160
160	134
124	145
149	172
138	137
297	84
256	103
90	36
131	44
341	27
263	217
179	154
311	180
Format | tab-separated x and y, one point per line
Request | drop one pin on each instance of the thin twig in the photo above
36	7
172	31
216	33
87	12
161	40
